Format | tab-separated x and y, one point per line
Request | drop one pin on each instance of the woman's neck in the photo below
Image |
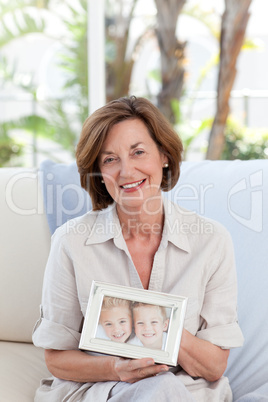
142	222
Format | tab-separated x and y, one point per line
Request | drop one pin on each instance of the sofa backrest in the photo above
24	242
233	193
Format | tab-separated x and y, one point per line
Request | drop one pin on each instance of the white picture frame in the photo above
95	339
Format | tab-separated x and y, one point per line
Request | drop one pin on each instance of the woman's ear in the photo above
164	158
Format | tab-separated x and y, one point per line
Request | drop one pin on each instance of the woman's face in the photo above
132	165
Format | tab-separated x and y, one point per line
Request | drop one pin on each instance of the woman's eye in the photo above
108	324
154	322
122	322
139	152
108	160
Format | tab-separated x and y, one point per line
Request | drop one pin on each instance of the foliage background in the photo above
58	116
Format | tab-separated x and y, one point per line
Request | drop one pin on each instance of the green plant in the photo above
73	61
244	143
187	129
55	122
18	12
9	148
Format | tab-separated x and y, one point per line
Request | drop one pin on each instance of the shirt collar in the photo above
107	226
173	230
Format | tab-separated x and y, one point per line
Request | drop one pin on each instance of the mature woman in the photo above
126	155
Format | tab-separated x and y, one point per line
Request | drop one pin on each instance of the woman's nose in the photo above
126	168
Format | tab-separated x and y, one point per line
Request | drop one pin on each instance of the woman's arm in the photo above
75	365
201	358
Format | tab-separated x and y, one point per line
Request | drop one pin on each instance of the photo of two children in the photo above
133	322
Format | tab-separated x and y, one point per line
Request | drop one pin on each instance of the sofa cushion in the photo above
64	198
259	395
25	242
21	368
235	193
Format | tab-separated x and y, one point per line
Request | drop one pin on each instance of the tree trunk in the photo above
172	54
234	23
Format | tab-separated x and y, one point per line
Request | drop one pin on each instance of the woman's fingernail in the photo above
150	362
164	369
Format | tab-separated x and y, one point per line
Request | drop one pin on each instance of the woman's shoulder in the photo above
81	226
70	225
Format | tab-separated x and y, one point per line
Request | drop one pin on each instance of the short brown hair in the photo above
162	309
95	130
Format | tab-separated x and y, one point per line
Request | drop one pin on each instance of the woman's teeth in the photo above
132	185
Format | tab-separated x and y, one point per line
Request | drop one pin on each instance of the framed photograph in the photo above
133	323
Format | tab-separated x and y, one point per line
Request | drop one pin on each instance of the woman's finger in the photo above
134	370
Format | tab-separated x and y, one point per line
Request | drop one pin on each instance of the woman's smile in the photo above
129	187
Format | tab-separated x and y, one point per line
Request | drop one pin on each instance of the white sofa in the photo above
235	193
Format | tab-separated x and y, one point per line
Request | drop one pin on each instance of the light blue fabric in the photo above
234	193
259	395
64	198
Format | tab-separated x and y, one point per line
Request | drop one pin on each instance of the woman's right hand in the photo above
133	370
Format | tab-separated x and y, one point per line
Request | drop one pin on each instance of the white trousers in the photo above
165	387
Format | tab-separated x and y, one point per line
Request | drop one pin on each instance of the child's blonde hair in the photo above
111	302
161	308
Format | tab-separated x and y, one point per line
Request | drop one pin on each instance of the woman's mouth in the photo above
133	185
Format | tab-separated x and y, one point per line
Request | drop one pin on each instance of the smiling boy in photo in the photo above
151	324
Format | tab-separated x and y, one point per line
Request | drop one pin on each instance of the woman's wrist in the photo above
112	369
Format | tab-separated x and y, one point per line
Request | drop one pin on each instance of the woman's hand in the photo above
131	371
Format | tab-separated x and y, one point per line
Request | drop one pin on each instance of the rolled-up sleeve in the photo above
61	317
219	310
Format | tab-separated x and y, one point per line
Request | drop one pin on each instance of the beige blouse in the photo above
195	259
